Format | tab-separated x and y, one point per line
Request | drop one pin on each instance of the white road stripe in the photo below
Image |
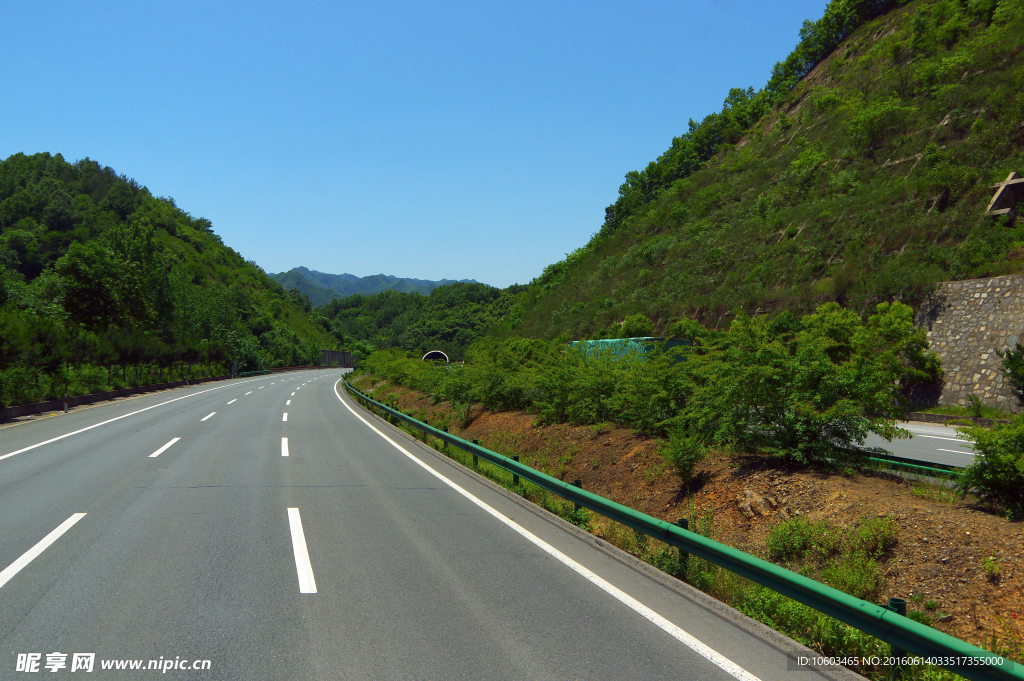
233	401
164	448
207	416
936	437
103	423
307	584
287	402
44	543
293	394
285	417
261	387
676	632
248	393
284	446
957	451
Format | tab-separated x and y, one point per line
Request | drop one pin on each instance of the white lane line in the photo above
233	401
44	543
164	448
248	393
261	387
676	632
287	402
116	418
285	417
293	394
284	446
936	437
957	451
207	416
307	584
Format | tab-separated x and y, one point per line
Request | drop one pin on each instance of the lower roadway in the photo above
202	527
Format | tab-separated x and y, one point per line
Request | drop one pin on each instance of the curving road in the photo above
268	528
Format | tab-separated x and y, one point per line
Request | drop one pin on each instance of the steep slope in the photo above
319	284
861	173
96	272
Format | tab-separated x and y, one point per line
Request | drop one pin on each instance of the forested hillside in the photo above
103	284
321	287
859	174
449	319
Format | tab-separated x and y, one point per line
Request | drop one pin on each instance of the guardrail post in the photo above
476	459
515	477
898	606
684	556
577	483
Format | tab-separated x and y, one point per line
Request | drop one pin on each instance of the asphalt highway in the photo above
269	528
929	442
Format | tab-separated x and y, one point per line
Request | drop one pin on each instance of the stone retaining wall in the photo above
967	321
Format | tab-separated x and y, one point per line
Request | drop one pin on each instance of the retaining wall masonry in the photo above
967	322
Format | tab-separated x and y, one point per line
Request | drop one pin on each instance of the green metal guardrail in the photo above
901	633
916	466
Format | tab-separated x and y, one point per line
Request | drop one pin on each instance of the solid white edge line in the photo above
207	416
307	583
44	543
163	449
116	418
284	446
673	630
285	417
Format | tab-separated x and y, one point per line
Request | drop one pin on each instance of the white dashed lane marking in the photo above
164	448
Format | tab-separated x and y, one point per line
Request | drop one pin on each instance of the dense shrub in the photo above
807	389
997	474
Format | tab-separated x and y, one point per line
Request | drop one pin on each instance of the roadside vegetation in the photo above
859	174
806	390
449	318
103	285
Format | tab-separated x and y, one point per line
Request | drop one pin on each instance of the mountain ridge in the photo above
322	287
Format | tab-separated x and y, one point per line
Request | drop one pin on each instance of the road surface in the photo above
931	442
269	528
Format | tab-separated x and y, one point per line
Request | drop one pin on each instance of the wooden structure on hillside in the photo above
1008	193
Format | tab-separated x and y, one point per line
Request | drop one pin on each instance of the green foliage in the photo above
997	474
684	452
808	391
859	181
97	273
845	560
1013	369
449	319
993	568
635	326
805	389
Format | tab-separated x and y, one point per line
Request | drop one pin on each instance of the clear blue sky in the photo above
473	140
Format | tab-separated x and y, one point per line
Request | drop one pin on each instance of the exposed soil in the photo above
941	543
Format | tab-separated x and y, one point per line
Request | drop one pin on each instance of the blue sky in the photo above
450	140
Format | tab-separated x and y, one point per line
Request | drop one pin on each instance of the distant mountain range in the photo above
322	288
